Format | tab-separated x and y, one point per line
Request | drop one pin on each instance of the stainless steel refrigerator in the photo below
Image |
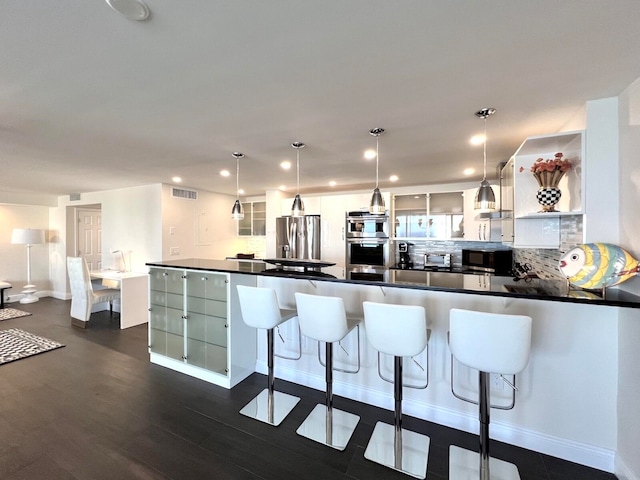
298	237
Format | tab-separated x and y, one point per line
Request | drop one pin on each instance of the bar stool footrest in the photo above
315	427
415	450
258	408
465	465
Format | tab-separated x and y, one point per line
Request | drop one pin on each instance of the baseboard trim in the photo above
584	454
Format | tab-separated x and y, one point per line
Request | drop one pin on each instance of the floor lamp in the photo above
28	237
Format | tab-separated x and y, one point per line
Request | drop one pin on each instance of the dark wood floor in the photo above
97	409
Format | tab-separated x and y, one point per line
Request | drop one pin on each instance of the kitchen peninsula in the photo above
566	399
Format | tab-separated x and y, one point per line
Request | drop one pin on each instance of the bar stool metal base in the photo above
412	459
465	465
316	427
258	408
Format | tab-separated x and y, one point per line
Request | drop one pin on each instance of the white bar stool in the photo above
260	309
324	319
401	331
489	343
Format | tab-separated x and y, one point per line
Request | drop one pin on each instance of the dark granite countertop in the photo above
451	281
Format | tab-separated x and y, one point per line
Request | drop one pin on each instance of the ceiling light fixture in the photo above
376	207
132	9
237	212
485	198
297	209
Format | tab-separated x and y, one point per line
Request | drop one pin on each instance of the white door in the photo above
89	239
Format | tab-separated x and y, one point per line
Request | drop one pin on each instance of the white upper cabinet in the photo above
481	229
437	216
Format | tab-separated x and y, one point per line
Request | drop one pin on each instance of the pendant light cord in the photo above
377	158
237	178
484	176
297	171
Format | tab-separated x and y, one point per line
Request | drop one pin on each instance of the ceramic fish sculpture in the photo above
598	265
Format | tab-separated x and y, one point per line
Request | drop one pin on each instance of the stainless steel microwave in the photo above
490	261
361	224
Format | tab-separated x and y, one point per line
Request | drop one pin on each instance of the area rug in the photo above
16	344
9	313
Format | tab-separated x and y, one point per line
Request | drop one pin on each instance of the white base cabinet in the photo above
195	326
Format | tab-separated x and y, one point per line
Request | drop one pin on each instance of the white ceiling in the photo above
90	100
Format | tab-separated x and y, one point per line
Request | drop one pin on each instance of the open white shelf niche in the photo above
572	145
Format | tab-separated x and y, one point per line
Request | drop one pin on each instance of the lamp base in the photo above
29	294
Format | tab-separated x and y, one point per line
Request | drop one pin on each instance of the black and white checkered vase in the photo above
548	196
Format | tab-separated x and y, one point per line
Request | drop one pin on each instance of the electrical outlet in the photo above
496	382
174	251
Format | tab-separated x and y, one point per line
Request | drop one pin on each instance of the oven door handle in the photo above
361	241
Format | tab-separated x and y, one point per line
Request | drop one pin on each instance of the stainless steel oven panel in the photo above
361	225
370	252
367	274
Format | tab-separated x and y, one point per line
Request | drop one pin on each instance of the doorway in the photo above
89	235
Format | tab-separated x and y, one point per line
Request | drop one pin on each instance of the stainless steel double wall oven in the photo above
367	245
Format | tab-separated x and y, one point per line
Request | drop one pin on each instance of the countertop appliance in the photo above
437	261
366	244
490	261
298	237
404	256
362	224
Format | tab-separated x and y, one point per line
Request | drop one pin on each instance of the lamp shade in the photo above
485	198
377	206
237	212
27	236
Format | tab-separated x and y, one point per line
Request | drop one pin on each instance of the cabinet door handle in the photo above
479	232
204	279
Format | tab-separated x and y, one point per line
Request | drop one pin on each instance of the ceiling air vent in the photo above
182	193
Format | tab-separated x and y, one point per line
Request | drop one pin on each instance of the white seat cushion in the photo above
490	342
399	330
259	307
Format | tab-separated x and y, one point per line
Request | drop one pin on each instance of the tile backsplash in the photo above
544	262
419	247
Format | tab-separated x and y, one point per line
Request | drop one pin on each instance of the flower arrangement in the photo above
549	172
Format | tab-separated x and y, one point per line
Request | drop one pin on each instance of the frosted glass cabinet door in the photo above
166	306
207	328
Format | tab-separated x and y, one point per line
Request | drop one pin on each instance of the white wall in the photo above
131	221
628	461
201	228
13	258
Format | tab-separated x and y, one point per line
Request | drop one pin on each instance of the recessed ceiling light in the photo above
132	9
176	179
393	178
241	191
286	165
477	139
333	183
282	187
370	154
224	173
469	171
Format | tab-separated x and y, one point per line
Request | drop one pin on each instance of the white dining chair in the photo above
83	297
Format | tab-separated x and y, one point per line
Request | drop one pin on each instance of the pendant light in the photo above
376	207
485	198
237	212
297	209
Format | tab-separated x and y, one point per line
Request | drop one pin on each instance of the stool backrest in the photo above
259	306
321	318
399	330
490	342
